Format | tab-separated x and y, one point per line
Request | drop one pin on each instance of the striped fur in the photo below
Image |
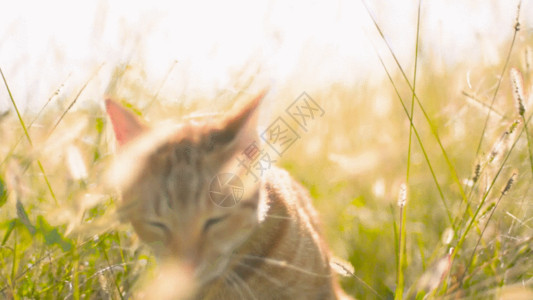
268	246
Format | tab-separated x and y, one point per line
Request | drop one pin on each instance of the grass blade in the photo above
516	29
28	137
398	294
75	99
12	150
451	166
485	196
417	135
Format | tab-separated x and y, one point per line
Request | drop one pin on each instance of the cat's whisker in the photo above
279	217
234	283
284	264
243	284
262	274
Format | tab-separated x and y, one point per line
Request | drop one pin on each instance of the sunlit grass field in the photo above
461	228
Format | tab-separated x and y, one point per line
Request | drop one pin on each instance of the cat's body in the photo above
285	257
266	246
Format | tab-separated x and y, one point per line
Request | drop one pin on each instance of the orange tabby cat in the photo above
266	246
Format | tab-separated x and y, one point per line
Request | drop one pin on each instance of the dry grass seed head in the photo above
402	195
528	59
510	183
477	173
517	82
503	142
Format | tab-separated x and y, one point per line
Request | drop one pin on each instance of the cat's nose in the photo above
190	261
194	270
188	268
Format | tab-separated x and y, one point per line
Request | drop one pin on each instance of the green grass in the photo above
464	232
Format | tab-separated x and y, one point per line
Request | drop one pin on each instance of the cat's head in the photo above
169	176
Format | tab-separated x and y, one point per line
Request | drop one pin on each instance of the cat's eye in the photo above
160	226
214	221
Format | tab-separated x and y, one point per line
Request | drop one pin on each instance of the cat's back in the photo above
280	186
289	257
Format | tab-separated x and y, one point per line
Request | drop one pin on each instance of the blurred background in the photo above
204	43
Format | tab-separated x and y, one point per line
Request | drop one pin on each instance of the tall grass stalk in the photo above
498	84
12	150
434	132
28	136
517	82
402	201
403	193
528	143
481	168
165	78
424	152
75	99
75	273
413	93
489	218
480	205
14	267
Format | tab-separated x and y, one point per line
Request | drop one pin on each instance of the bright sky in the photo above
43	42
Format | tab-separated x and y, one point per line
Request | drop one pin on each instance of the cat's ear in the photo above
125	124
239	129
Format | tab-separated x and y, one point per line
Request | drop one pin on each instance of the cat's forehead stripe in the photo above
182	184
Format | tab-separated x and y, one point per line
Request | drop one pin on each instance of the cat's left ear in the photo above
126	125
239	129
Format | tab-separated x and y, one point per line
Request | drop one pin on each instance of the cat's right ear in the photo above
239	129
125	124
